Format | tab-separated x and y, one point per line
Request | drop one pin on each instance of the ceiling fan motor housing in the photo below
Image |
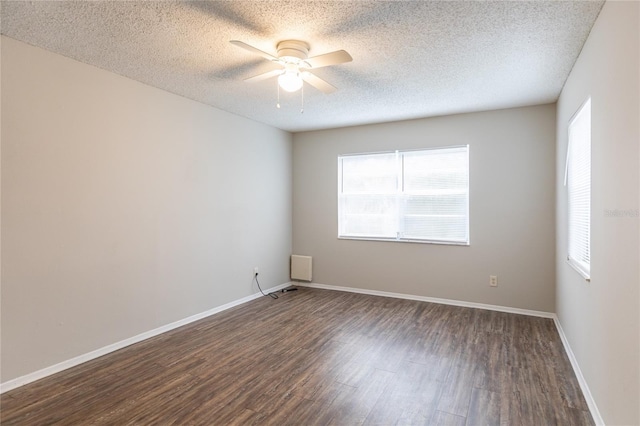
293	50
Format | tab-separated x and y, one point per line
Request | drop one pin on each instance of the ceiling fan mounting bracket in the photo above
293	49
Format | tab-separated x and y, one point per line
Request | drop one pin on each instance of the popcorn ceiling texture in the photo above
410	59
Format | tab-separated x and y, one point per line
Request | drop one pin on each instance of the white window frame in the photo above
578	183
400	192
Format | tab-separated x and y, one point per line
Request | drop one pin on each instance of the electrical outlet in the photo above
493	280
255	271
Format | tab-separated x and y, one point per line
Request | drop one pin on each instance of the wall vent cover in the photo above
301	268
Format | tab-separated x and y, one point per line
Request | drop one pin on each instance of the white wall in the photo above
512	166
125	208
600	318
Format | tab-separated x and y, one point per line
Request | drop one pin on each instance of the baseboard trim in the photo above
453	302
591	403
48	371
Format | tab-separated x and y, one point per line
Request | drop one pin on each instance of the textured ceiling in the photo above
410	59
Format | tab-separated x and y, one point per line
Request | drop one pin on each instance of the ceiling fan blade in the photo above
252	49
263	76
317	82
333	58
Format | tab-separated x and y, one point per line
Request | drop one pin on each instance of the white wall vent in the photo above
301	268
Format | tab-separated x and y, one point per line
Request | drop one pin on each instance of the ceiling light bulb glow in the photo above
290	81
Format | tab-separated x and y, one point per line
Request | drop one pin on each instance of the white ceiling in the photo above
410	59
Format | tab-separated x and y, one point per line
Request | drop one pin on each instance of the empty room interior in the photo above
292	212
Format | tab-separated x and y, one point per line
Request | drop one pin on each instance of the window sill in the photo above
393	240
579	270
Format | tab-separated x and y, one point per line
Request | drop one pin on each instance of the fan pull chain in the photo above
302	100
278	103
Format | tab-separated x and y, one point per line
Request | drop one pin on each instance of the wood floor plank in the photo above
440	418
318	357
456	392
353	406
492	359
484	409
411	398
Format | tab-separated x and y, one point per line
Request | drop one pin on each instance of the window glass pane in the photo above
442	217
369	215
435	170
435	228
435	194
368	196
370	174
454	204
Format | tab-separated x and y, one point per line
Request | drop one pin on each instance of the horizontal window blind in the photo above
578	181
405	195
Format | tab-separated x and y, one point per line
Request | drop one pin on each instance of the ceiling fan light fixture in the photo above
293	57
290	81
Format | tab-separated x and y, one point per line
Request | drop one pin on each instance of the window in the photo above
420	196
578	182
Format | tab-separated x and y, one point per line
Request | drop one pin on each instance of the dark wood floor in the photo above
322	357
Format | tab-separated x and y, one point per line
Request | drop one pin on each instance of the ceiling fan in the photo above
296	66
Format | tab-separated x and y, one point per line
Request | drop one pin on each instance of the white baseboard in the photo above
48	371
591	403
574	363
430	299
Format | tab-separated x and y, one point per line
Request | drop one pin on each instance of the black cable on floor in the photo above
271	295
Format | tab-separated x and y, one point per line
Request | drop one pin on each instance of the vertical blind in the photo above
578	181
405	195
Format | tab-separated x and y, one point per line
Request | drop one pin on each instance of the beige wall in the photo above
600	318
512	167
125	208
